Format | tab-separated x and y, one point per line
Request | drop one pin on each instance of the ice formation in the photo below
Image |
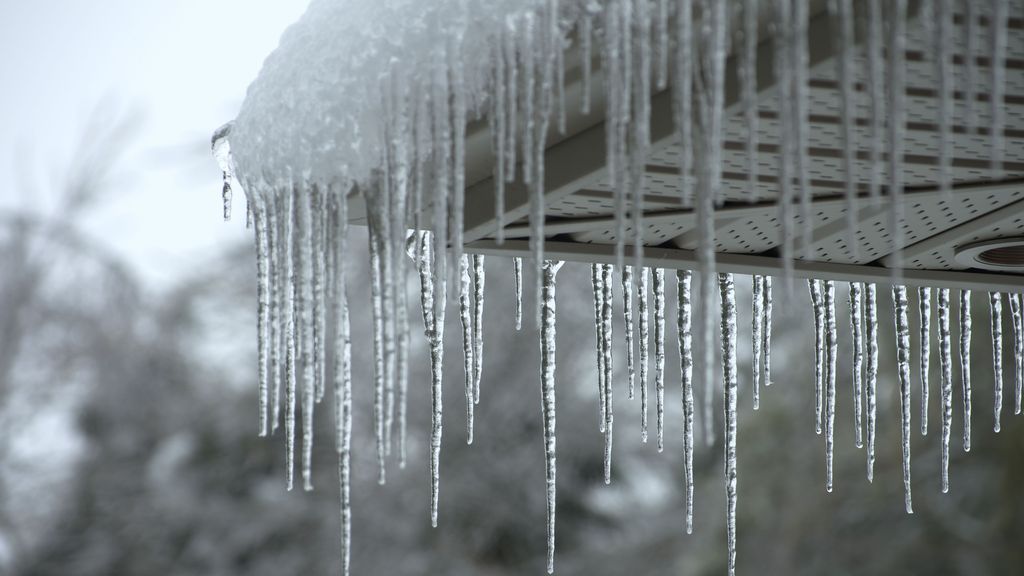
367	102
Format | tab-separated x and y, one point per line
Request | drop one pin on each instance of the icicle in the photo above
222	153
263	305
897	86
458	102
944	67
606	331
659	351
729	372
766	346
317	267
756	340
871	376
434	292
343	382
617	90
748	88
276	306
304	308
924	300
831	339
819	351
597	282
946	361
517	268
547	372
996	310
876	93
1018	354
479	279
376	291
442	147
641	291
899	301
627	314
468	342
857	328
290	344
997	24
682	95
965	362
683	326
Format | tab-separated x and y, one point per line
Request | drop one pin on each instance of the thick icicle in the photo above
597	283
729	373
276	307
995	306
1018	353
924	300
766	330
319	313
659	351
965	362
305	307
871	376
641	291
289	320
479	280
468	342
831	340
376	291
547	374
899	301
819	351
997	29
517	267
627	316
946	361
608	285
757	300
748	88
262	307
343	382
684	319
433	327
857	329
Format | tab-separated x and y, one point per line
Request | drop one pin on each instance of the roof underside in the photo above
987	200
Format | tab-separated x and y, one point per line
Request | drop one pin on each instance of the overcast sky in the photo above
182	66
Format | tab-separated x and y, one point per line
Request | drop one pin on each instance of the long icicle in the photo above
857	329
766	331
262	307
609	413
627	316
305	308
831	340
684	325
641	291
1018	354
924	301
946	361
479	281
517	267
899	301
757	301
276	307
468	362
547	371
995	307
597	283
659	351
289	320
343	381
376	289
819	351
729	373
965	362
871	376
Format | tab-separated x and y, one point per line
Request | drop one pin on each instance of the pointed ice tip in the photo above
828	489
308	486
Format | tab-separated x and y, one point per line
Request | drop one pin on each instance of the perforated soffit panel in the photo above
987	201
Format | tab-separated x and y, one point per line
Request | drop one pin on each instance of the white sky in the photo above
183	65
